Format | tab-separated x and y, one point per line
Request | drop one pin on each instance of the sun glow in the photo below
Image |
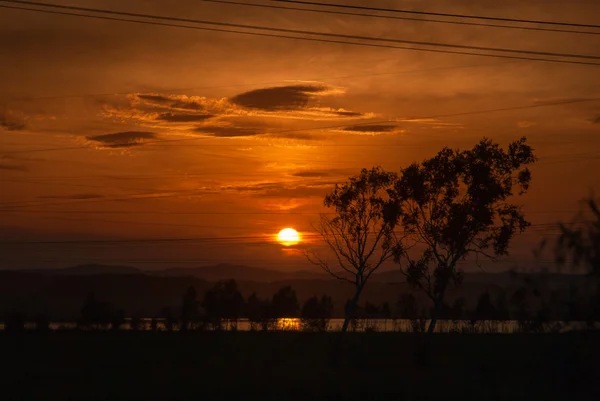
288	237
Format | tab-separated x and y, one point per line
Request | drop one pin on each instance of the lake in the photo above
380	325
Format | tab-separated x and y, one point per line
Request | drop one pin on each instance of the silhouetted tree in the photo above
42	323
408	309
98	314
359	235
253	310
485	309
117	319
371	314
316	313
502	309
385	314
457	204
407	306
189	309
457	310
136	323
579	243
14	323
154	324
285	303
356	320
268	320
170	318
521	306
223	301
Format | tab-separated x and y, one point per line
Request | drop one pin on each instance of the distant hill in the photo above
93	269
218	272
60	293
224	271
85	270
242	273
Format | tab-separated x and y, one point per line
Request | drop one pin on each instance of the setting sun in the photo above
288	237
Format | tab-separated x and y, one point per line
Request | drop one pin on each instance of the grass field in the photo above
74	365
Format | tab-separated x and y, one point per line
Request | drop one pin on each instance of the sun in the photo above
288	237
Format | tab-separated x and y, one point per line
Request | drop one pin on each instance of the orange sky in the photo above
220	135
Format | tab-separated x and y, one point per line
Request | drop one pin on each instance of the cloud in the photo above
12	121
75	196
183	118
228	131
12	167
311	174
175	102
155	98
526	124
371	128
172	112
122	139
286	190
293	135
278	98
345	113
553	100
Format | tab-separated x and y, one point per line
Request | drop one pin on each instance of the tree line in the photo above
531	303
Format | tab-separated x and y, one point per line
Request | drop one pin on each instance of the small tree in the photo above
189	309
285	303
361	235
454	205
99	315
385	314
371	316
42	323
253	311
315	314
223	301
117	319
485	309
579	243
136	323
407	308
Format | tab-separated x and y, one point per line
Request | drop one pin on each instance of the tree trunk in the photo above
432	324
422	356
437	307
350	311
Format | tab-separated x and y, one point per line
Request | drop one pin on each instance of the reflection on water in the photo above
359	325
288	323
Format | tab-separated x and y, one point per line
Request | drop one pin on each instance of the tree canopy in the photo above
457	204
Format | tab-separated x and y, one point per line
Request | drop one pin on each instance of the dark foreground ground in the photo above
297	366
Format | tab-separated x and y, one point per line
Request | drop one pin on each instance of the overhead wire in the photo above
264	237
323	34
395	17
451	15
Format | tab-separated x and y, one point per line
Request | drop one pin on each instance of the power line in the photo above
395	17
480	17
388	121
312	33
264	237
